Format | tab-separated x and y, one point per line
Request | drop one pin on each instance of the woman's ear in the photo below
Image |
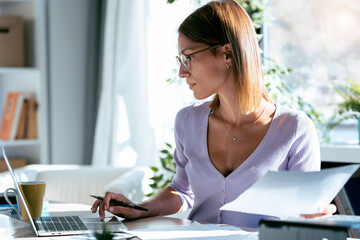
228	52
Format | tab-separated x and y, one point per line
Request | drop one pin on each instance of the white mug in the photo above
33	192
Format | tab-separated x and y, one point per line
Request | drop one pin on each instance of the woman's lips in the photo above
191	85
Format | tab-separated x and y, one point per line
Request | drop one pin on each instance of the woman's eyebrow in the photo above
182	51
185	49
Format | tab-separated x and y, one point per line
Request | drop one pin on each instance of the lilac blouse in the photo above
290	144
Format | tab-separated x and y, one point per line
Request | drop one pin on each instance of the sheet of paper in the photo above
289	193
10	226
196	231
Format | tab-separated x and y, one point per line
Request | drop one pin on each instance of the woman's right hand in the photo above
125	212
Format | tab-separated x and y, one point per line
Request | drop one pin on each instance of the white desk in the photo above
16	229
340	153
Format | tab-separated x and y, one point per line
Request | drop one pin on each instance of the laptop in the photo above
64	225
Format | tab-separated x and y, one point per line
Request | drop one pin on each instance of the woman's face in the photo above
208	73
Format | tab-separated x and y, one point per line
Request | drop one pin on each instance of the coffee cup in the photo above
33	192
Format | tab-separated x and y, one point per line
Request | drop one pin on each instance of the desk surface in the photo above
155	222
27	232
15	229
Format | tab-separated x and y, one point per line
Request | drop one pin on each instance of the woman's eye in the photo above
190	57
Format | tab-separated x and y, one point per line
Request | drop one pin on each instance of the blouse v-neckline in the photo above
248	159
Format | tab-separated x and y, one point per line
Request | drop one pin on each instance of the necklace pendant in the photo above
246	130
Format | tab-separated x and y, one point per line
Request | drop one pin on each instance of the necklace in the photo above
246	130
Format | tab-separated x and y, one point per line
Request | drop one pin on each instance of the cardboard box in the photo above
11	41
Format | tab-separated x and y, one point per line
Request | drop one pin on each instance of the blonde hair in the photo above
221	22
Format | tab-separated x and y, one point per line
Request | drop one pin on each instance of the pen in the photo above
123	204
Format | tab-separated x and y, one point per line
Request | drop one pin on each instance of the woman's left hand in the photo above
323	211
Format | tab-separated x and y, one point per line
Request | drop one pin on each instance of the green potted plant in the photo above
349	108
104	234
163	177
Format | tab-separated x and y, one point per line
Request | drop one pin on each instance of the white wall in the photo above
68	33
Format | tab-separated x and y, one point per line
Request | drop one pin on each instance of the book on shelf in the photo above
11	112
23	119
32	126
19	119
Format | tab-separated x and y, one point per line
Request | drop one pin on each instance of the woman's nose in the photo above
183	72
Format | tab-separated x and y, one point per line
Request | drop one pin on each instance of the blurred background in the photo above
105	77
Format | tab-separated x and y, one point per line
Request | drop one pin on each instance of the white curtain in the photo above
122	72
104	123
137	107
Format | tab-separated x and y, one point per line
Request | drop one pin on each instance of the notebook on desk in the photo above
63	225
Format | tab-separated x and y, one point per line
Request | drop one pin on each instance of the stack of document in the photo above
196	231
288	193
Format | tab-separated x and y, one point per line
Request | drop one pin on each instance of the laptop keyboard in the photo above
60	224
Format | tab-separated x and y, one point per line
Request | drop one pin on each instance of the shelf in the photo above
31	79
349	153
16	143
16	70
16	1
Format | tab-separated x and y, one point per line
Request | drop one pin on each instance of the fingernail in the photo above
321	209
92	209
106	207
111	209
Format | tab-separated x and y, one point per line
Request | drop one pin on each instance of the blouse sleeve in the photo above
180	182
304	154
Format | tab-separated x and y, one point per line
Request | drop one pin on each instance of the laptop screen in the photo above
18	189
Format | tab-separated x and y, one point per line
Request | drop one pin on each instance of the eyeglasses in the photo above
184	59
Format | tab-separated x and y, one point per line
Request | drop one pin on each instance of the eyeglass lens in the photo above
182	60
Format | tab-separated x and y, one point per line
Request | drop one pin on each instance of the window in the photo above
319	41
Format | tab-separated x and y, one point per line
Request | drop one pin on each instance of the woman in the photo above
225	146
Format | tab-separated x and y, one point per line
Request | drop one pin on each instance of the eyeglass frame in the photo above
187	56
